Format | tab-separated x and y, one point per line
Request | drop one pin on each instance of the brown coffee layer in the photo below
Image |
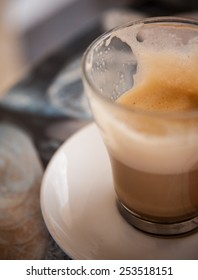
158	197
165	81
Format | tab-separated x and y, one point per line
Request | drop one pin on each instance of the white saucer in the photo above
79	209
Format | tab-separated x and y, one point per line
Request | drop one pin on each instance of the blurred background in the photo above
30	29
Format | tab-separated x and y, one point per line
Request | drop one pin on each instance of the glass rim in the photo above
120	107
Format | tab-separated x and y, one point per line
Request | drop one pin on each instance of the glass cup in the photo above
152	143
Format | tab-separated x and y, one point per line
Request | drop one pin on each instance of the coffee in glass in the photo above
141	81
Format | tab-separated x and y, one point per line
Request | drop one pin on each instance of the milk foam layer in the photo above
166	63
154	154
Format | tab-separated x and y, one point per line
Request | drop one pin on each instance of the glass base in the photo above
165	229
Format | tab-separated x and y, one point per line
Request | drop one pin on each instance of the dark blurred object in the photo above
173	3
182	3
164	7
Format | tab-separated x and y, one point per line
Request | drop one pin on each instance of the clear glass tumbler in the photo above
152	145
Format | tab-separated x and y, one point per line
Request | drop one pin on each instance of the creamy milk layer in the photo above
166	81
153	154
